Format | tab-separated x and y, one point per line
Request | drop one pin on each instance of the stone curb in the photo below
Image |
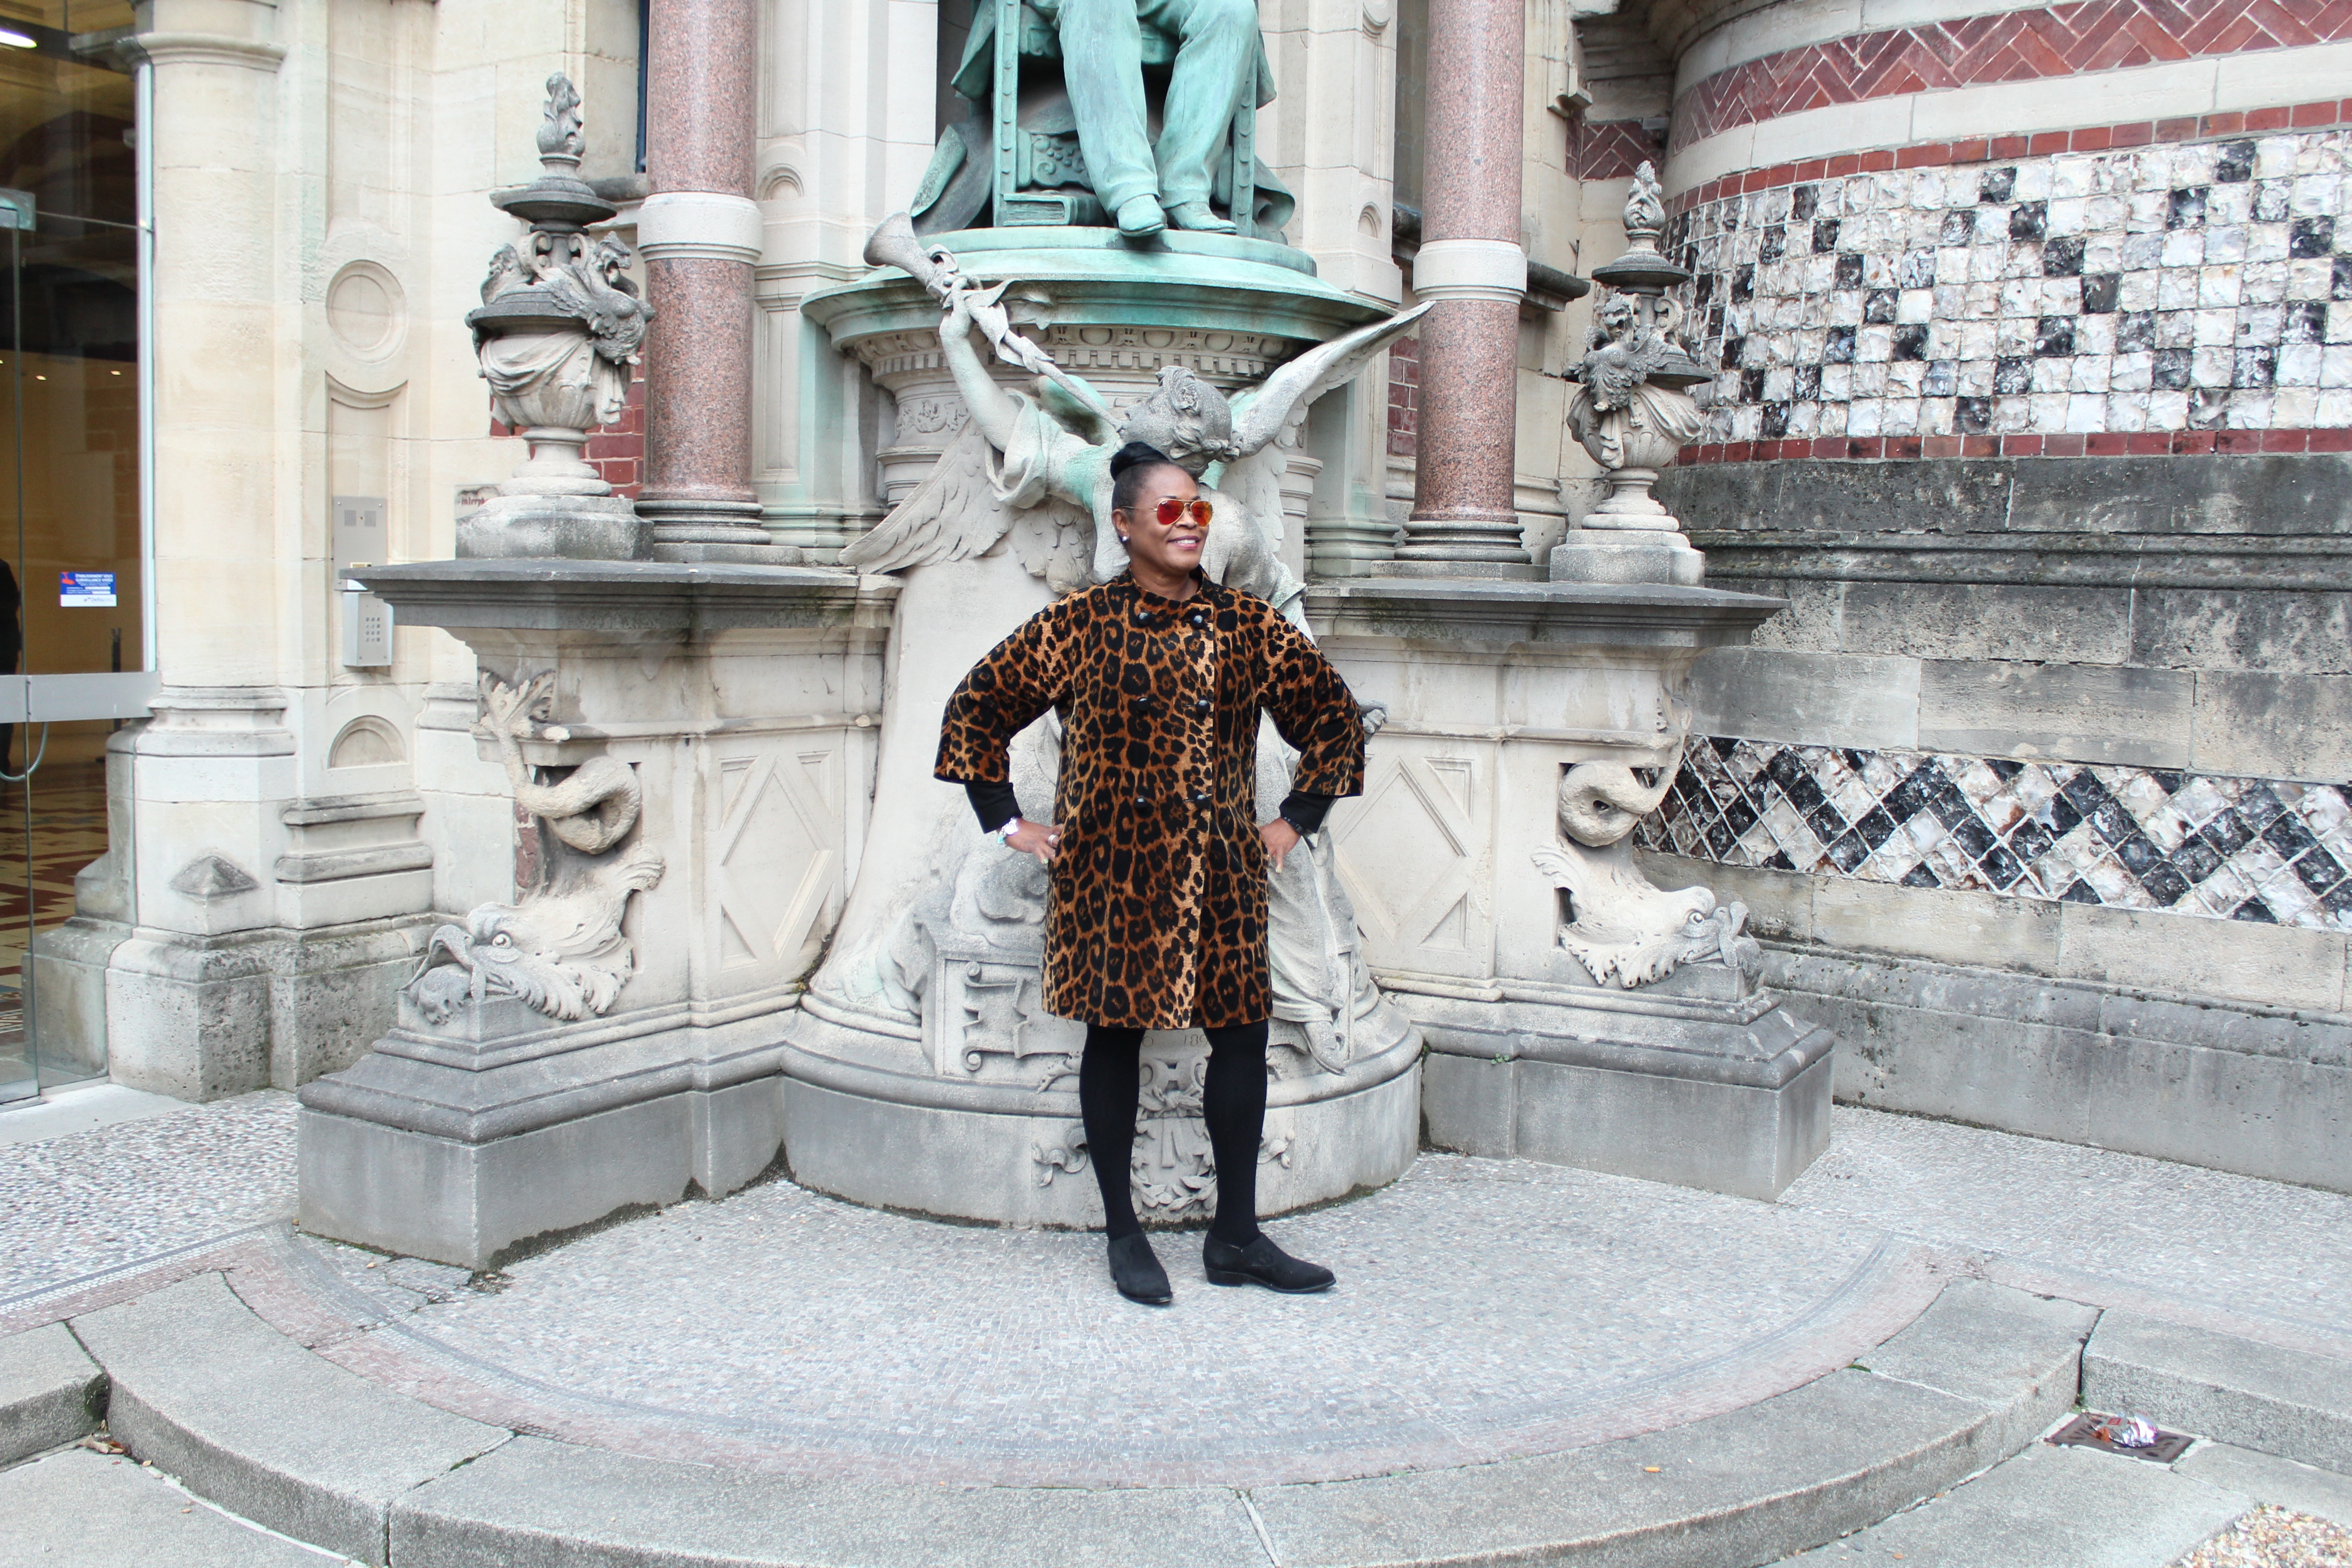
2221	1386
50	1392
203	1388
207	1391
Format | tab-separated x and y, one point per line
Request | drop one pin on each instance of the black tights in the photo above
1232	1102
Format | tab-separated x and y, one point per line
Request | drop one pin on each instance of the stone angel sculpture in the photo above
1041	460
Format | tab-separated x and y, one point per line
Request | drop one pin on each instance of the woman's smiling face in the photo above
1172	548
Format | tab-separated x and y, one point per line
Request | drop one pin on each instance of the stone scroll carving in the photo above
1174	1170
1619	926
561	949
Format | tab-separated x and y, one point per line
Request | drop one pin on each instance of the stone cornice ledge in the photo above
627	595
1560	613
203	48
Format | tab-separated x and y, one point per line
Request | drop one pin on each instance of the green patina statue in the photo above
1037	148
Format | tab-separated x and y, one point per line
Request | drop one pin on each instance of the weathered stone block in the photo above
2273	726
1949	927
2275	632
1988	620
1806	699
2088	714
2276	966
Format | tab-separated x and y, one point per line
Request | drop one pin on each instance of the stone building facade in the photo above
2033	334
2033	328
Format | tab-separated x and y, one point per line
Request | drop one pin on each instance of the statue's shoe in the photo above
1200	217
1262	1263
1139	217
1136	1270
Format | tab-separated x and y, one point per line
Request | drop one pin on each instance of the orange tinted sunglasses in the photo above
1171	509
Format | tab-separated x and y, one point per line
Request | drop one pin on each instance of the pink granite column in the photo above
700	234
1464	518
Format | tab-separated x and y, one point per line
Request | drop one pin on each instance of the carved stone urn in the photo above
557	335
1631	411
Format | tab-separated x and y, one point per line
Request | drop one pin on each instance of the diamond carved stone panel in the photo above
1415	854
775	858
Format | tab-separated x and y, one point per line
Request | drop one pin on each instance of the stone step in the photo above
276	1433
50	1392
204	1390
2050	1505
2218	1385
81	1509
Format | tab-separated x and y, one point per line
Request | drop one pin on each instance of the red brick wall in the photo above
1404	397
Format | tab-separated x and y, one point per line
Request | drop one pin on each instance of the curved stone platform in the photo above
1523	1364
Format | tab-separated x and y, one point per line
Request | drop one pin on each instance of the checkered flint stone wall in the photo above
2137	838
2201	286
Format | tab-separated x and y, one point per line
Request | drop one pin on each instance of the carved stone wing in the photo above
952	514
1261	412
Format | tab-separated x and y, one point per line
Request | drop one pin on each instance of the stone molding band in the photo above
205	49
2224	84
1470	269
2322	115
674	226
2000	49
2092	443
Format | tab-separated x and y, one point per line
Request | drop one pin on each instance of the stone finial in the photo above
558	335
1632	411
1645	211
560	136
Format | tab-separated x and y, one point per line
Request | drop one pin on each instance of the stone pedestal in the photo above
744	701
923	1074
1475	904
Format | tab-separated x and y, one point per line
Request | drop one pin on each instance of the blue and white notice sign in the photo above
86	590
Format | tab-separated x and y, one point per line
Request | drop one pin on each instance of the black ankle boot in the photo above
1137	1272
1262	1263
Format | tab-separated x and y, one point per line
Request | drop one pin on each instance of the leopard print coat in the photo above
1157	915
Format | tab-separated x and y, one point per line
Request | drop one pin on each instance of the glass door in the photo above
72	577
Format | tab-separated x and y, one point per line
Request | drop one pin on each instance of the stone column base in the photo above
1625	555
463	1142
1727	1095
201	1018
1488	571
532	527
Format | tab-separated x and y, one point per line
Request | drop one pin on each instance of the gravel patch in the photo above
86	1202
2275	1538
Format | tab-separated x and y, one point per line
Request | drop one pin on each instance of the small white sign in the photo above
86	590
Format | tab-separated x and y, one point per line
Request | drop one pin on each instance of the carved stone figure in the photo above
1091	133
558	336
1621	928
1041	462
560	948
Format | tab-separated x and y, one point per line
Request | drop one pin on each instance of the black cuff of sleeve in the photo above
1306	812
993	803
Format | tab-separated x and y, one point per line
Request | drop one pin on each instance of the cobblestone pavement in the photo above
81	1204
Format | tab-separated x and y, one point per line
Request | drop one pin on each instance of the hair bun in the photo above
1137	455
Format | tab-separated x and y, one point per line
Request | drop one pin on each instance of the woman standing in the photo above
1157	918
